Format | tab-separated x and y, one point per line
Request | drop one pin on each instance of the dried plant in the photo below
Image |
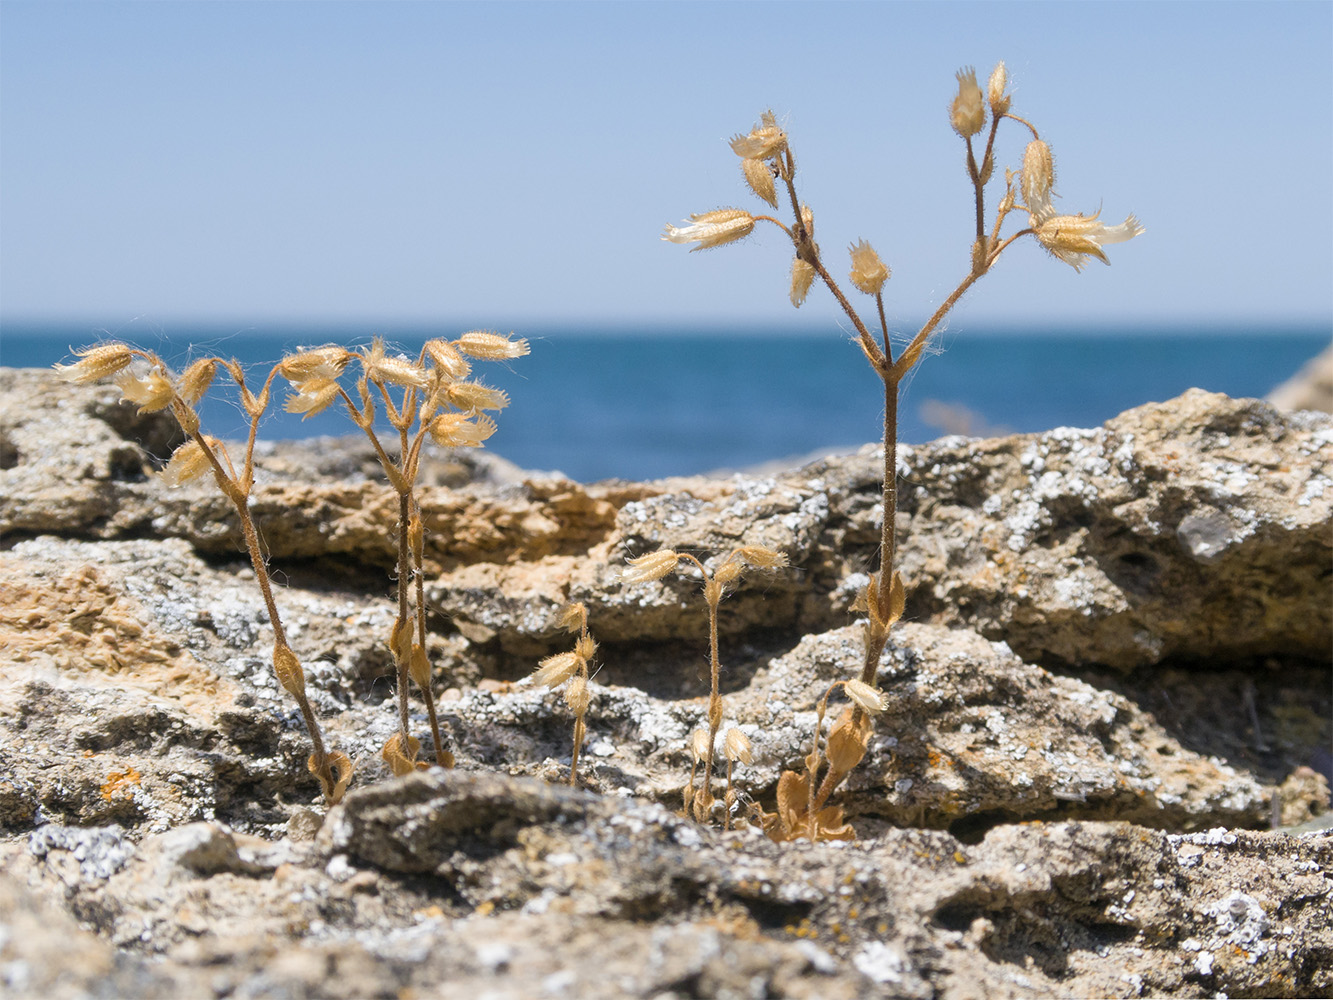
144	379
433	398
571	668
769	169
703	743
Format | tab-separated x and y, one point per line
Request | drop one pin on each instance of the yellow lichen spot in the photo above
959	857
120	782
486	908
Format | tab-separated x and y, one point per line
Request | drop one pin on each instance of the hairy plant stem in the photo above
239	496
400	661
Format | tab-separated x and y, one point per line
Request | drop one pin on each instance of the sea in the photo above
645	403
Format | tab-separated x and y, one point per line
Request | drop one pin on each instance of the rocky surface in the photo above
1113	679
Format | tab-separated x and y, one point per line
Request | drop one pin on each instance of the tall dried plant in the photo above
769	169
143	378
428	396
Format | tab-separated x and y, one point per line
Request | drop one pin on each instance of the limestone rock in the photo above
1115	661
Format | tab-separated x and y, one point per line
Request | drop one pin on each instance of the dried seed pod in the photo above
447	359
1038	179
381	368
555	670
759	177
472	396
699	744
315	396
1075	239
803	276
967	114
196	379
576	695
458	430
574	617
737	746
187	463
760	557
764	141
653	566
320	363
712	229
152	392
96	362
871	699
995	90
868	272
490	346
585	647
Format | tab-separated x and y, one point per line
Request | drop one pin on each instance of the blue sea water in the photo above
641	405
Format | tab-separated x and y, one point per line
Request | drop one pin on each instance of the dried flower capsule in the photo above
808	219
397	371
765	141
712	229
152	392
576	695
187	463
472	396
1075	238
995	90
585	647
699	744
319	363
802	277
314	397
653	566
868	272
761	557
573	617
458	430
728	571
736	746
967	114
555	670
759	176
870	699
95	363
196	379
1038	179
490	346
447	359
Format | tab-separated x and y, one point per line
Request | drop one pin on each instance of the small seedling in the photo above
769	169
657	565
572	668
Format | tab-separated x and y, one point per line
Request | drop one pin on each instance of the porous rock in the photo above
1033	820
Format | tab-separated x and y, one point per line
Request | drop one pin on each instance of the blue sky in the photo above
513	165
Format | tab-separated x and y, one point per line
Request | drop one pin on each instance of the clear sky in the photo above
511	164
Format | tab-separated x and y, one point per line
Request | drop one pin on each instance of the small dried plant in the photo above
703	743
571	668
428	396
144	379
769	169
